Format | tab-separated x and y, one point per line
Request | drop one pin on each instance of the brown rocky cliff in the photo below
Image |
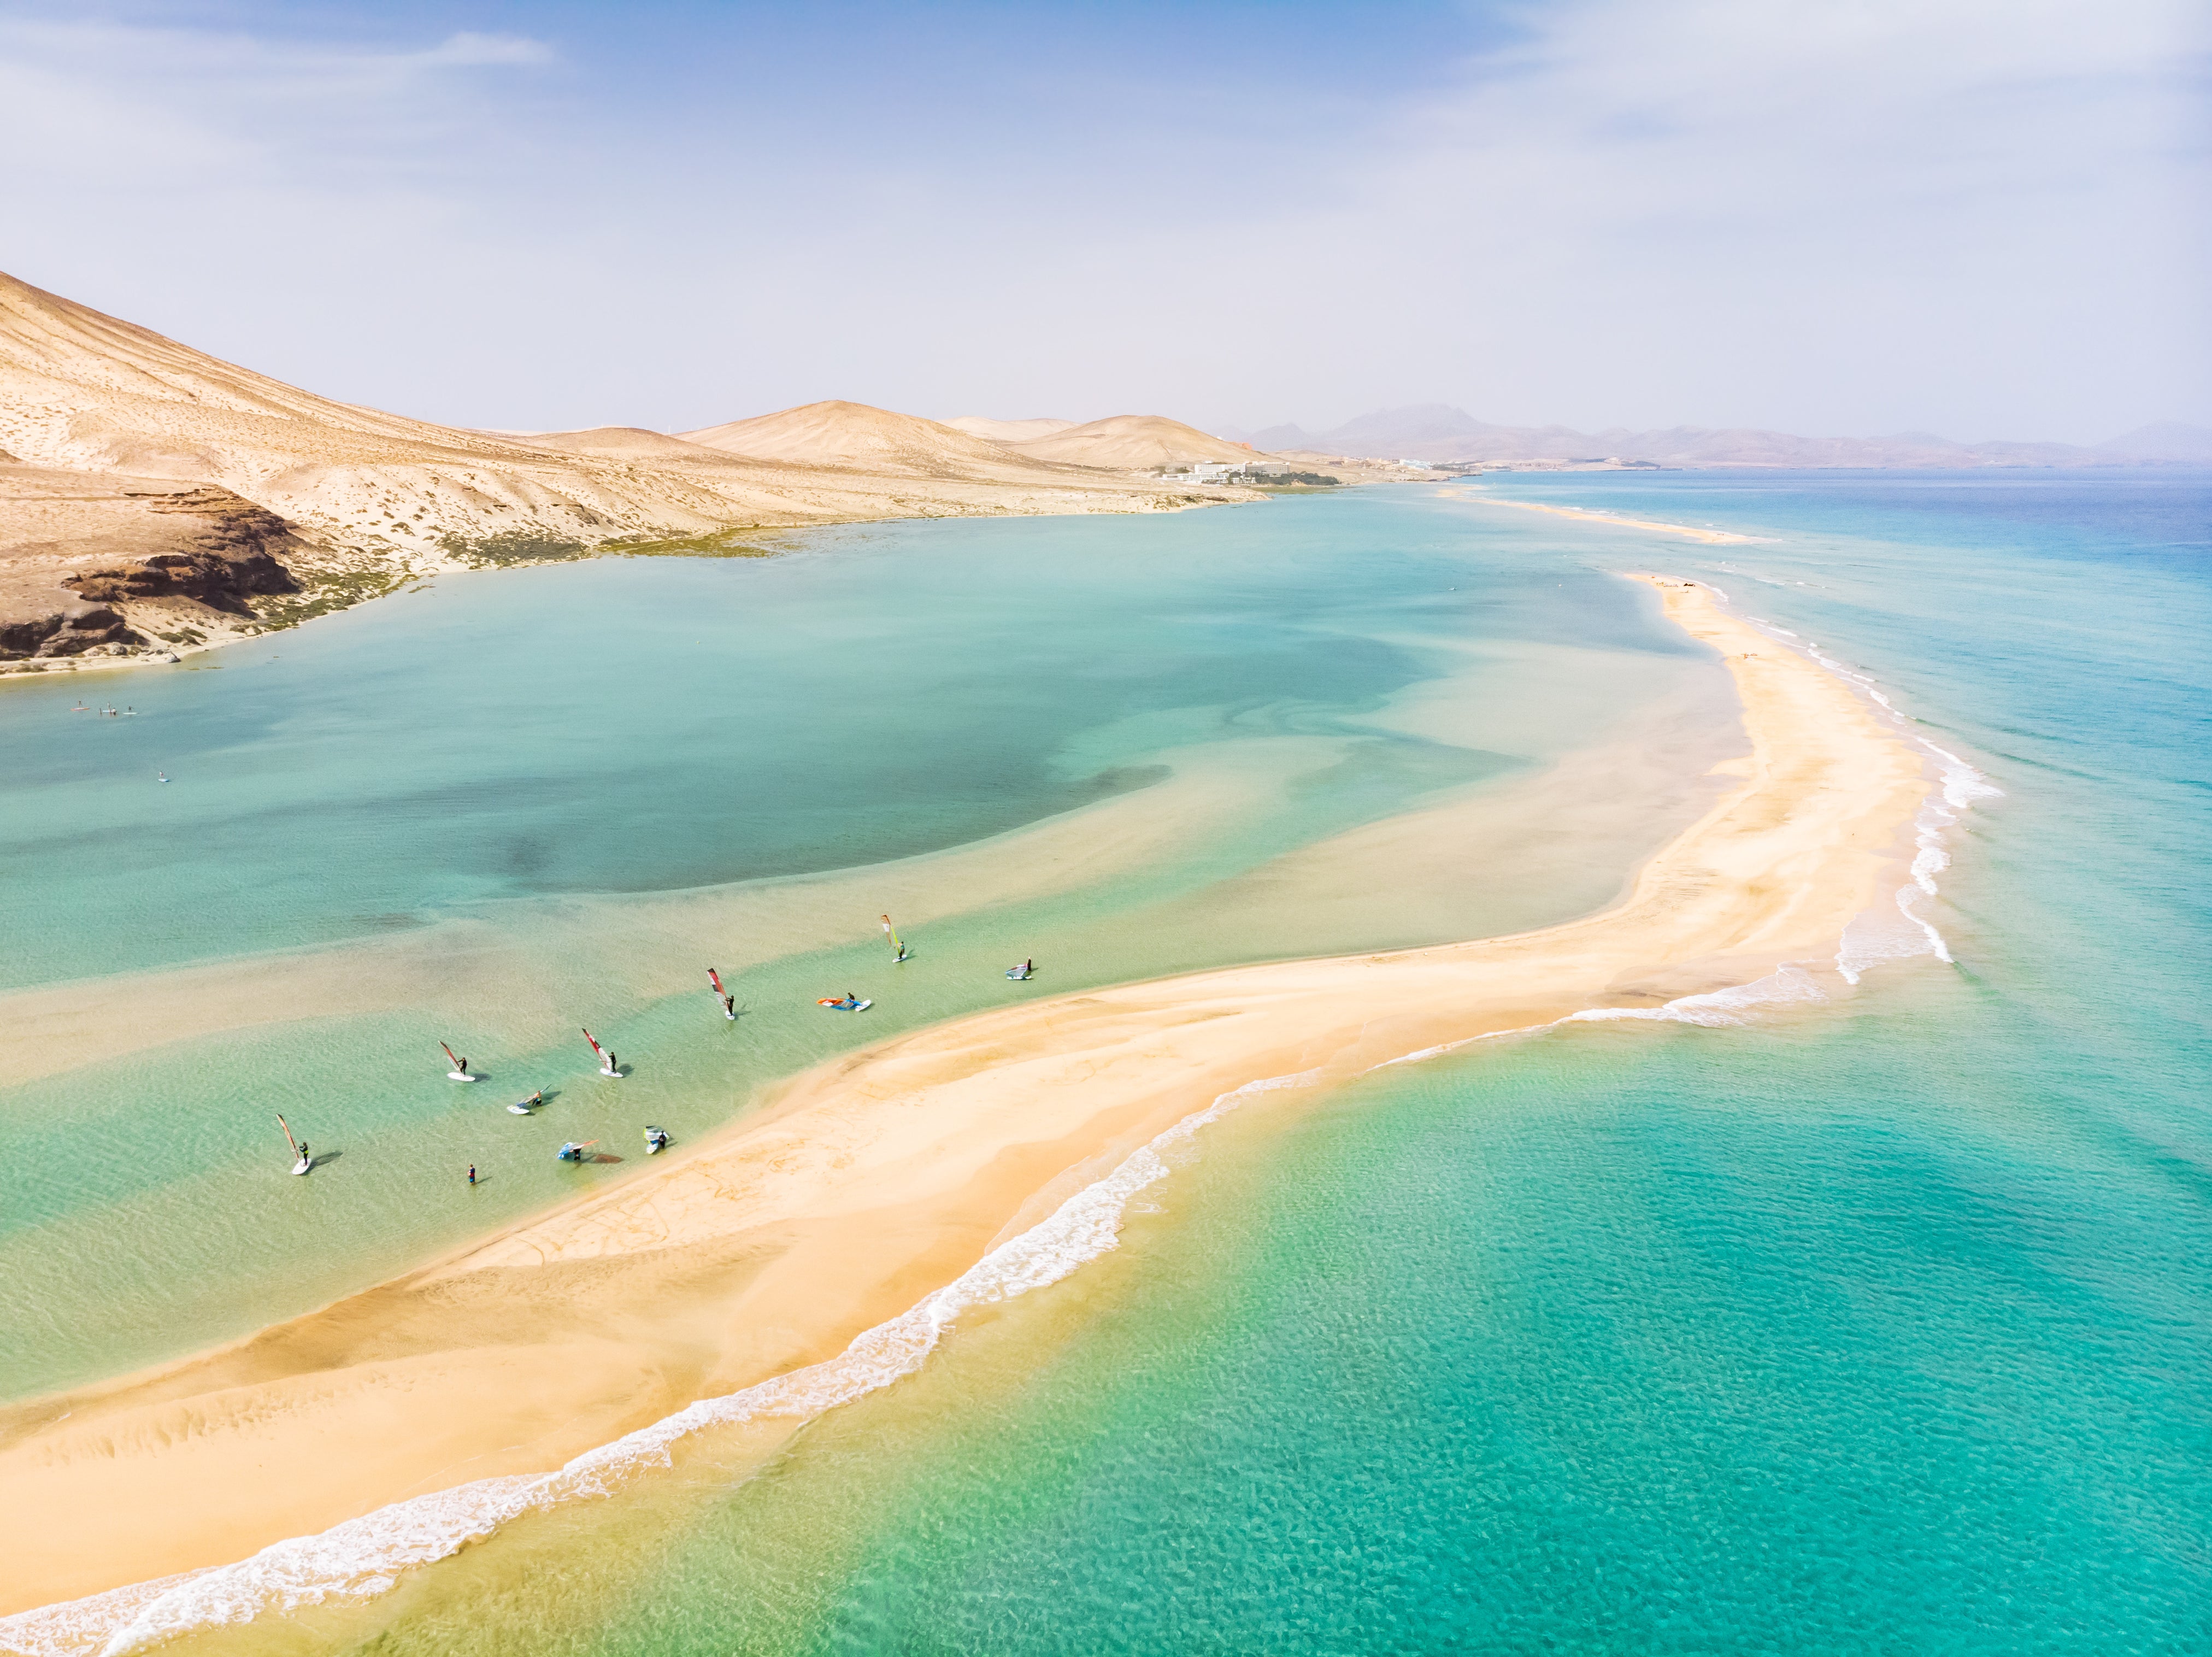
228	560
89	561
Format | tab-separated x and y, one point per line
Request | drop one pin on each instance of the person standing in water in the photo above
472	1173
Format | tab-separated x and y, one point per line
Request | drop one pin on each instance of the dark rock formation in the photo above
76	548
65	633
228	557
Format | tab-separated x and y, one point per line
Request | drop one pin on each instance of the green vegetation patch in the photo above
522	546
321	592
716	543
514	547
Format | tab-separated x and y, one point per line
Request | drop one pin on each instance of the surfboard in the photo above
461	1076
518	1110
840	1007
301	1166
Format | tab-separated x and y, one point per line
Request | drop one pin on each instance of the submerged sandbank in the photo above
883	1175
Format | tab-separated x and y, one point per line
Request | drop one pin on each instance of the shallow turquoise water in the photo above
1881	1326
514	804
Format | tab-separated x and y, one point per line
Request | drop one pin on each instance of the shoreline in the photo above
406	577
882	1176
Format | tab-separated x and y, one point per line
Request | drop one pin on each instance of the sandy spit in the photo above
1688	532
880	1177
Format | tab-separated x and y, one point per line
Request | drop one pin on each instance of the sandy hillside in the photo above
1134	442
1007	431
632	442
836	434
370	499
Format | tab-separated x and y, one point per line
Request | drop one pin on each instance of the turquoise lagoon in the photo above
1881	1324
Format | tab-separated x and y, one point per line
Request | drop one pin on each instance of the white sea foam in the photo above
1880	935
1786	985
364	1556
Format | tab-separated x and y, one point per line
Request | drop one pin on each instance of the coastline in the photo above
885	1174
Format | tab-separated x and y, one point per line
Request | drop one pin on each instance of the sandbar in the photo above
1688	532
873	1179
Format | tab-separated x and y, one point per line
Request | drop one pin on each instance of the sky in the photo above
1983	218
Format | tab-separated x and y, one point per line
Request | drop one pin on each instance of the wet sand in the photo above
880	1177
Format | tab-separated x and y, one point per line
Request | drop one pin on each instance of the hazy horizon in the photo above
1978	220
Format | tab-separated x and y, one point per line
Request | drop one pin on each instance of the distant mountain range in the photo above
1439	432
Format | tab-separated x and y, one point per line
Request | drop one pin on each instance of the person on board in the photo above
537	1098
303	1154
729	1007
611	1066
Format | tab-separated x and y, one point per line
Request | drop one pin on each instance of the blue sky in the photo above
1981	218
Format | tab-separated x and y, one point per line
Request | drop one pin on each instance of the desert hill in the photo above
836	434
632	441
1006	431
1134	442
366	499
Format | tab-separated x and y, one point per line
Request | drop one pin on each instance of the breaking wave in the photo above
1902	929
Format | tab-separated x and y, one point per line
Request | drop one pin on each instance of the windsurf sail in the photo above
451	1055
898	944
288	1140
715	978
596	1048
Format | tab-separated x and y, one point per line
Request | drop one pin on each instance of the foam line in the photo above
363	1557
1784	986
1879	936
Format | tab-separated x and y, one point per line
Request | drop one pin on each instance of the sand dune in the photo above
374	498
1134	442
879	1176
1006	431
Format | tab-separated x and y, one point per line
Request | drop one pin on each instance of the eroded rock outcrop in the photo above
103	565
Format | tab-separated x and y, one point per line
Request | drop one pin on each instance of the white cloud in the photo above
1981	218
